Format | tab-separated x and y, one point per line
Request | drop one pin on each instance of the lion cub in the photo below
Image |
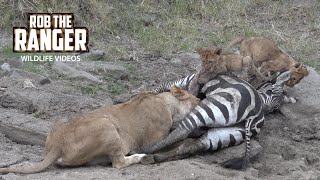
113	131
269	58
214	63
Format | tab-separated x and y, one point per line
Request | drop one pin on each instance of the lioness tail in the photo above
33	168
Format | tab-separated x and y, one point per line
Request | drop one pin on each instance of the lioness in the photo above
113	131
269	58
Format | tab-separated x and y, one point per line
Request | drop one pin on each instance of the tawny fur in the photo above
113	131
214	63
269	58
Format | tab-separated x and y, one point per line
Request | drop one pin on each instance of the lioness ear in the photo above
178	93
218	51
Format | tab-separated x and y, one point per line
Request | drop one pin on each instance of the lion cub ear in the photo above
218	51
179	93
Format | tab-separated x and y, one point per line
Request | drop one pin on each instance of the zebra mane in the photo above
278	78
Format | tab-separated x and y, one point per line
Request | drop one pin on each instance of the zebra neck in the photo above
265	106
194	86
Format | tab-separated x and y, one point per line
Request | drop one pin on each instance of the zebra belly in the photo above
216	111
218	138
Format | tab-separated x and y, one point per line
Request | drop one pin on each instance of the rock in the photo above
93	55
45	104
109	69
6	67
73	73
116	71
23	128
21	74
16	101
308	93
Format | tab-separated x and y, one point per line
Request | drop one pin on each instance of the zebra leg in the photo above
187	148
214	139
177	135
242	162
289	99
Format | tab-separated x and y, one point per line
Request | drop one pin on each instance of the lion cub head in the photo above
298	71
211	64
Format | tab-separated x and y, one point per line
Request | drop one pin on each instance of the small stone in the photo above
161	60
175	61
27	83
94	55
312	158
286	128
125	173
6	67
296	138
255	173
44	81
148	19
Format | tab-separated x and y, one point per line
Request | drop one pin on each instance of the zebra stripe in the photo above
218	138
224	107
181	83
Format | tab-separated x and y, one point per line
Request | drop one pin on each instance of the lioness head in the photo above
210	62
187	102
298	71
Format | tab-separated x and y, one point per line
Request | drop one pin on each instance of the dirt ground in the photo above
290	138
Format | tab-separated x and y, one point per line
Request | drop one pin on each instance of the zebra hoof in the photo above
148	159
237	163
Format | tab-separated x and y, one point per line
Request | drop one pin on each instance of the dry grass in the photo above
122	28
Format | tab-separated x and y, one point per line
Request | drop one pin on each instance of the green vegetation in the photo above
34	67
116	88
164	27
132	68
89	89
